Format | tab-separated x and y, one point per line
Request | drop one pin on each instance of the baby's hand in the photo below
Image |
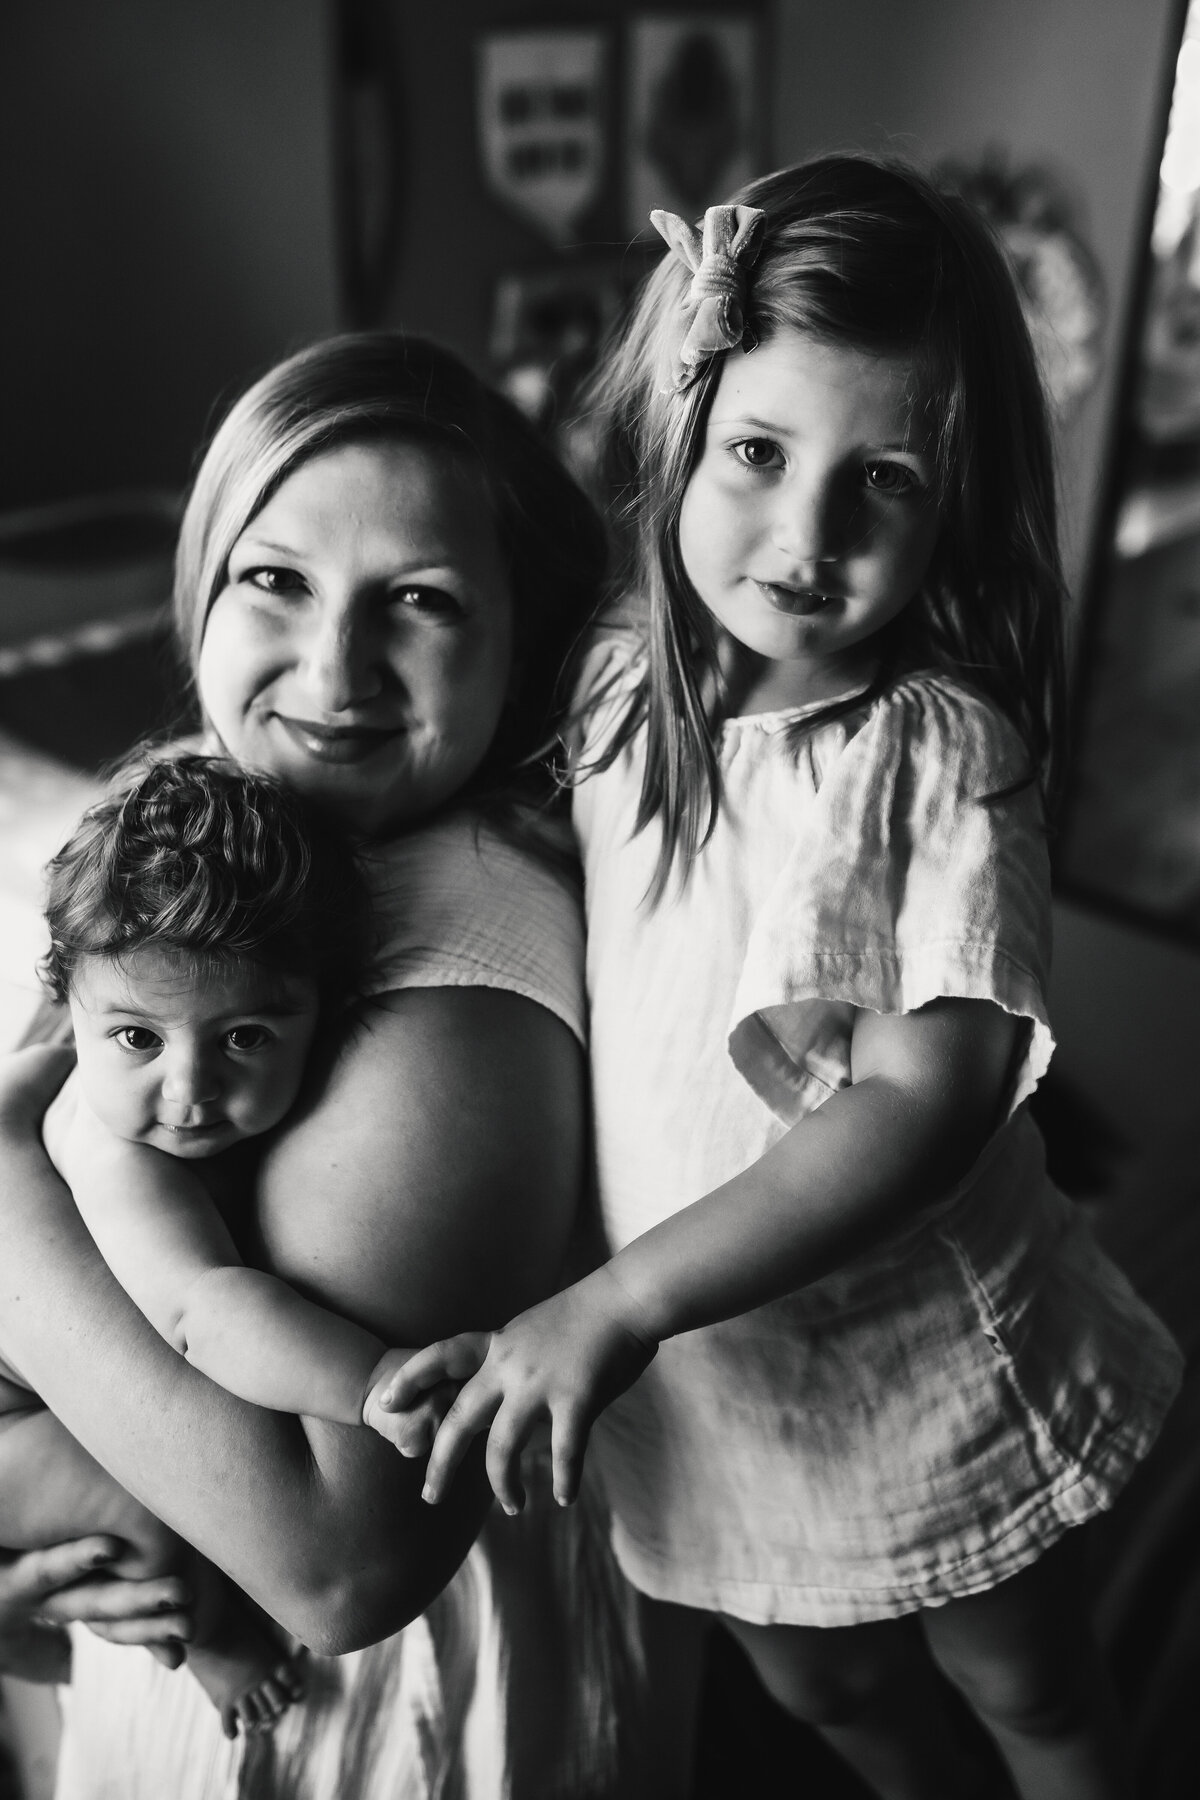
561	1362
407	1417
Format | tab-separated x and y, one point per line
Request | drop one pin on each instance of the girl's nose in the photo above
810	520
189	1077
342	664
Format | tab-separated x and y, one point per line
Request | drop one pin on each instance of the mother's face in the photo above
362	647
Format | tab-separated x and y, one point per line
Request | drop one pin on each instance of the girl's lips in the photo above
337	743
796	602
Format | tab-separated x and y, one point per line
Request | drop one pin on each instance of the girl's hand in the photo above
410	1423
42	1591
562	1362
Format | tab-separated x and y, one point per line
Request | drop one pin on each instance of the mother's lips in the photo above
338	743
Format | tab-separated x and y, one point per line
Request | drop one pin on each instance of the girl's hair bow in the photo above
716	298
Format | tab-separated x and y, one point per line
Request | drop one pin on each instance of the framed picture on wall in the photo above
694	112
1131	838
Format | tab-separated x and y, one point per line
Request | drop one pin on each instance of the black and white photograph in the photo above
599	900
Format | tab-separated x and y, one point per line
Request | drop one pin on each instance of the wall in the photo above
166	198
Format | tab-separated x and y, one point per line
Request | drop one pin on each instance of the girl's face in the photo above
809	520
189	1059
362	648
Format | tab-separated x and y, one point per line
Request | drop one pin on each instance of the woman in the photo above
379	573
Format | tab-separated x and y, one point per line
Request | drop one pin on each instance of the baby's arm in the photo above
164	1239
924	1096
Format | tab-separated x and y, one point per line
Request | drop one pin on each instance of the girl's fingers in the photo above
453	1359
568	1443
415	1437
509	1434
471	1413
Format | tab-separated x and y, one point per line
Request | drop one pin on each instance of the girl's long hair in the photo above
866	253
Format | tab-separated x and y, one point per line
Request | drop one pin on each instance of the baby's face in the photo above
189	1056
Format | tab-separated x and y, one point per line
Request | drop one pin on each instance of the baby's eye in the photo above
891	478
138	1038
758	453
247	1037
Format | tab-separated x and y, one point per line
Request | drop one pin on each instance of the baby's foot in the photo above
261	1707
251	1681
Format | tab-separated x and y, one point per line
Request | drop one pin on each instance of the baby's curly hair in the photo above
192	853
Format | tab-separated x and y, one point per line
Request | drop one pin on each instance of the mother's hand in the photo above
42	1591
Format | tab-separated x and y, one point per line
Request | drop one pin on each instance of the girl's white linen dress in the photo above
926	1420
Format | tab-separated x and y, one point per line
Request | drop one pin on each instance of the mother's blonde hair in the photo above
388	384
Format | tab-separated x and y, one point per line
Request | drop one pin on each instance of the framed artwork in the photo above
1131	839
694	114
540	105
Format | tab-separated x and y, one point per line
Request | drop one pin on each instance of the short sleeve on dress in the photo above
906	884
461	905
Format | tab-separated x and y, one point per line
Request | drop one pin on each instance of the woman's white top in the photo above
925	1420
490	1695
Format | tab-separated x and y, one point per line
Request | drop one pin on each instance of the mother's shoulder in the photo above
471	901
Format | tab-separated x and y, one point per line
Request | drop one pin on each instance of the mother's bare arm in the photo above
432	1185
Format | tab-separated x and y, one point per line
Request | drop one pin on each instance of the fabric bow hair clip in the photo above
720	261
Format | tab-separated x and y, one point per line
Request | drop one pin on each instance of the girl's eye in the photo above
891	478
247	1037
138	1038
758	453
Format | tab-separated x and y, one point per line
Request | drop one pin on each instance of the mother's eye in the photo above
431	602
271	579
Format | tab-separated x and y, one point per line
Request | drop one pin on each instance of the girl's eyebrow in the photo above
771	428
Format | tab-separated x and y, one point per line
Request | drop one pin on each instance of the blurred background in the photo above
189	191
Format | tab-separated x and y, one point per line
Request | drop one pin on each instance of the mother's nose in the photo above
342	660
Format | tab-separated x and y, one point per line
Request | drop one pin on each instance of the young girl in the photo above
202	924
883	1367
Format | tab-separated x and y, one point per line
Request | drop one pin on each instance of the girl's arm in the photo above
160	1232
431	1183
926	1089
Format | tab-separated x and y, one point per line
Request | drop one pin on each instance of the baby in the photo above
204	927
